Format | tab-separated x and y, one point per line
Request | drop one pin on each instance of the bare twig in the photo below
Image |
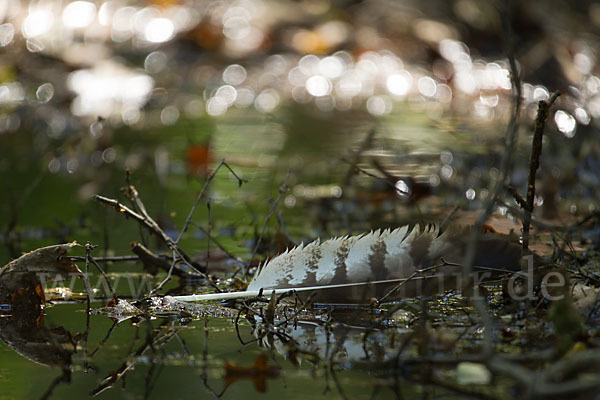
220	245
369	174
208	181
107	259
534	162
132	194
448	218
511	135
208	236
282	190
151	261
167	278
366	143
151	225
103	274
518	198
88	293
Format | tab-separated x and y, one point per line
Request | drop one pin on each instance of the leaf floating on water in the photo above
22	280
51	261
22	298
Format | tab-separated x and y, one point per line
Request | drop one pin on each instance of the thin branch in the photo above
103	274
366	143
208	181
208	236
151	261
534	162
518	198
282	190
167	278
511	135
88	293
107	259
151	225
220	245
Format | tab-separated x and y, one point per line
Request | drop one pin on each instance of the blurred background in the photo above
377	111
341	115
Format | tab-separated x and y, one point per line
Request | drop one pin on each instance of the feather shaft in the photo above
280	291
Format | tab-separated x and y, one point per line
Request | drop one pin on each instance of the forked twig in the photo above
208	181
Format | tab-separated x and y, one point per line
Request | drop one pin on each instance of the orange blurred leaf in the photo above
258	373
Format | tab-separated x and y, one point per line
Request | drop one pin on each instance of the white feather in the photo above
338	267
358	257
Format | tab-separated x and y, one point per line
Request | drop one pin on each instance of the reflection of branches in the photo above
103	341
205	364
154	339
152	378
336	381
65	377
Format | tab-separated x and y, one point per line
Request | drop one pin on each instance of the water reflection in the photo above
22	324
22	303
